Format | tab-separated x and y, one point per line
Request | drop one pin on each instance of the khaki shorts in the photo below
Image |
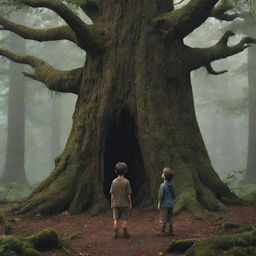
165	215
121	213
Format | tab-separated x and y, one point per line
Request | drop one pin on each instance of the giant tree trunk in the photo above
135	104
14	170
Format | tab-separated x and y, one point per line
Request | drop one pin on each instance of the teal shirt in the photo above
166	194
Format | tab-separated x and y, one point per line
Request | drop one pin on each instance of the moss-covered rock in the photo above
46	239
31	245
10	245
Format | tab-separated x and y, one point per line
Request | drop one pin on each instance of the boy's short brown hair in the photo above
168	173
121	168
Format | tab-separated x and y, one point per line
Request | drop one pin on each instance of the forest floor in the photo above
96	239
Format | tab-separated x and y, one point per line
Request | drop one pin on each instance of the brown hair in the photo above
121	168
168	173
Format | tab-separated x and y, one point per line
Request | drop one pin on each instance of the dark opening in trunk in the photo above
122	145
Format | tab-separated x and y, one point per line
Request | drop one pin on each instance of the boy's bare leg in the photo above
115	228
115	224
124	226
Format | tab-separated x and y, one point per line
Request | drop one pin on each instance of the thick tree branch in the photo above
199	57
211	71
227	17
219	12
183	21
58	33
88	37
55	80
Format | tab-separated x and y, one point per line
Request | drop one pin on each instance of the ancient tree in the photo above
135	102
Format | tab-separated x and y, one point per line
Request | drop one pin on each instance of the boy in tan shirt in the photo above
121	199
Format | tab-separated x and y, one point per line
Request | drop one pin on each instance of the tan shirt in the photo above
120	189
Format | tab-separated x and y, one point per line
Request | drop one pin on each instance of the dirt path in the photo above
96	232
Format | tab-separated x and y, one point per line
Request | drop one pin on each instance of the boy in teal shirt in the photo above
166	196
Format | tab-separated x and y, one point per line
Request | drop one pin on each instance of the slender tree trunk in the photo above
135	104
14	170
250	175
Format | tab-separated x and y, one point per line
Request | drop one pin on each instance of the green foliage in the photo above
232	180
251	197
13	191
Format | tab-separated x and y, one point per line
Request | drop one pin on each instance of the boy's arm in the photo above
112	194
130	200
129	192
160	196
173	192
112	200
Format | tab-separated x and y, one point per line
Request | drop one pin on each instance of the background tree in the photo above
134	95
246	26
14	170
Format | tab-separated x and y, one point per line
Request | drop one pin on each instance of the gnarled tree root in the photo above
211	246
30	245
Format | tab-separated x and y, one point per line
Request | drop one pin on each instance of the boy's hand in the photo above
158	206
130	206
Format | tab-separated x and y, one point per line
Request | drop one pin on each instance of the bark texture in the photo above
135	104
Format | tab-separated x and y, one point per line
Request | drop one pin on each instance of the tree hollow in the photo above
122	145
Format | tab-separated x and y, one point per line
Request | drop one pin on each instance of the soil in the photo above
95	233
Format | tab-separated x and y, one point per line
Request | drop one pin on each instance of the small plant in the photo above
233	181
13	191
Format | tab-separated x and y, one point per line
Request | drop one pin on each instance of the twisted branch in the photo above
88	37
219	12
55	80
199	57
183	21
58	33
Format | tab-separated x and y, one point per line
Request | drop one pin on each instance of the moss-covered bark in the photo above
138	86
212	246
31	245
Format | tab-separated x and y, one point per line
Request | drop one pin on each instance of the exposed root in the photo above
31	245
194	196
211	246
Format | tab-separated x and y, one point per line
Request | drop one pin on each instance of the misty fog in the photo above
221	102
